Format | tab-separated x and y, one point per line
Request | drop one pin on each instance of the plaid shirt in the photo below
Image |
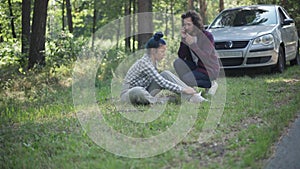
143	72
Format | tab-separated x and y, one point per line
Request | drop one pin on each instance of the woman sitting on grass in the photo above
143	82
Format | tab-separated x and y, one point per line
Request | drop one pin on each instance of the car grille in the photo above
231	61
239	61
235	45
257	60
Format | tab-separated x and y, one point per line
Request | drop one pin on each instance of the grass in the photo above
39	127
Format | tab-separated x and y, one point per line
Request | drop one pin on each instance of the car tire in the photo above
280	66
296	61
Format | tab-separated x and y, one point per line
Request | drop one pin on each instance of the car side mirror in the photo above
287	21
206	26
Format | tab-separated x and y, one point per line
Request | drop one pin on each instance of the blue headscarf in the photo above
156	40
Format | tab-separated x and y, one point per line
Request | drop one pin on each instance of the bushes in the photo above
10	54
62	49
61	53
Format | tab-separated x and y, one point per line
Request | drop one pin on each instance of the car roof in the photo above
250	6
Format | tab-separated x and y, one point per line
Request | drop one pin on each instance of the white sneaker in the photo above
213	89
197	98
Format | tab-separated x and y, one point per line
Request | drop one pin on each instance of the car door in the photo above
288	34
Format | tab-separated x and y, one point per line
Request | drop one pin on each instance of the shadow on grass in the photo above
253	72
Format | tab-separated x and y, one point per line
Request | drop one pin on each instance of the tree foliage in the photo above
102	11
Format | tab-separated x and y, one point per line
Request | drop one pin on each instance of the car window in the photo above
281	15
285	12
245	17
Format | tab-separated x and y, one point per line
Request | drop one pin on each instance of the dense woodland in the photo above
51	32
41	44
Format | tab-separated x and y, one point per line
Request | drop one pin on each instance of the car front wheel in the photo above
280	66
296	61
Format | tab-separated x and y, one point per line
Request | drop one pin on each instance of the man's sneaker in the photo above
197	98
213	89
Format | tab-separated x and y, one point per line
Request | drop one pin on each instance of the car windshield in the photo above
245	17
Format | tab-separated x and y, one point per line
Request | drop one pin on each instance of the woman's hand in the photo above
189	90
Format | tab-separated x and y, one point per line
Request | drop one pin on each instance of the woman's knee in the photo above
138	95
189	79
137	91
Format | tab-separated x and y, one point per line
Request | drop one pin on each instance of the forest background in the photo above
40	42
52	32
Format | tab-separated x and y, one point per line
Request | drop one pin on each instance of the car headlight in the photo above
264	40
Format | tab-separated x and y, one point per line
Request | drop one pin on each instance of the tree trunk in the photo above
26	9
1	37
190	4
12	24
118	33
284	3
94	22
172	19
127	24
221	5
69	16
63	15
166	22
203	8
145	22
133	24
37	41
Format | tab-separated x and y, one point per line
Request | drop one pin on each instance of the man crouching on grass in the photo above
143	82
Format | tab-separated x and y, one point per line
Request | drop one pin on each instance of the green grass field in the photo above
40	129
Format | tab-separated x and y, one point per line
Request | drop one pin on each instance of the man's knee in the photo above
177	63
189	79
